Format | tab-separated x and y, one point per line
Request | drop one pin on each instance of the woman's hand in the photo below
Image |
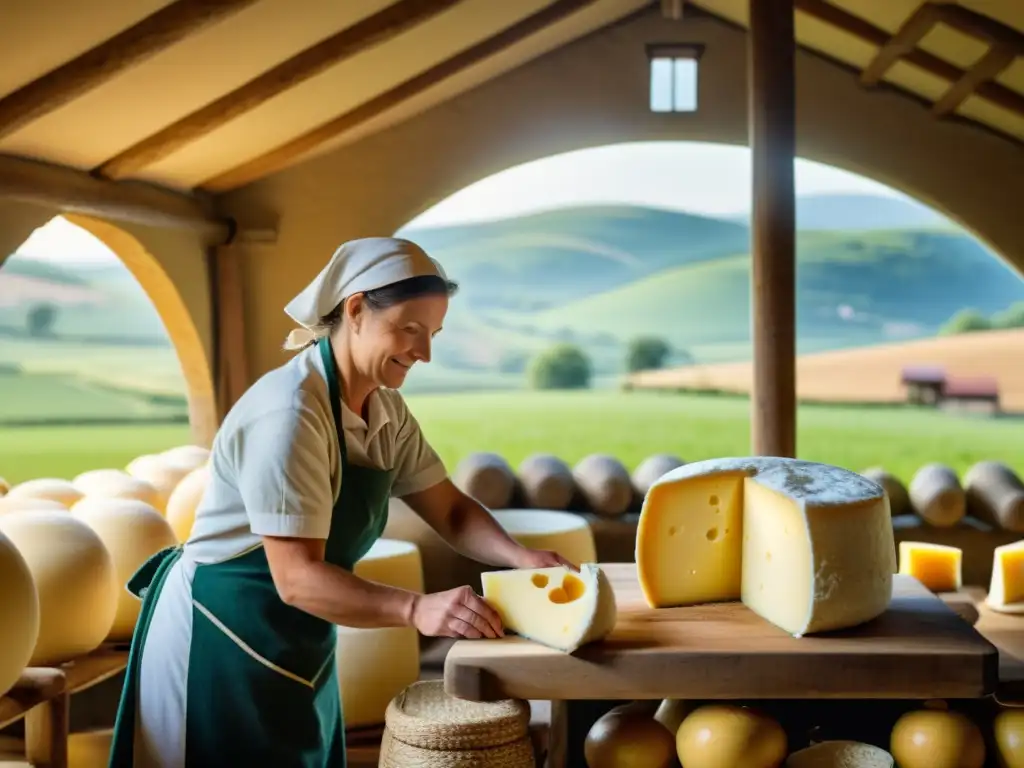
458	612
541	558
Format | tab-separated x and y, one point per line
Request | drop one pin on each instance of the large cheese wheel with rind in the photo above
840	754
75	580
191	456
19	608
115	484
546	482
160	472
53	488
376	664
132	532
809	547
566	533
184	501
487	477
28	504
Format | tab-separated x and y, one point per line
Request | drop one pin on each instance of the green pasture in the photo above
629	426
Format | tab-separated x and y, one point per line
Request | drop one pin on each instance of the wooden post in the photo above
231	363
773	146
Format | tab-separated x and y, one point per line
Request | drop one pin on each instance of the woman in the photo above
232	663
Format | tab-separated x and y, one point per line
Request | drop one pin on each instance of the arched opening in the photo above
103	361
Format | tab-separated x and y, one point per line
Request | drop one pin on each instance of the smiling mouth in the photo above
401	364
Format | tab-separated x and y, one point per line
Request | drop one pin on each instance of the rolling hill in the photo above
860	213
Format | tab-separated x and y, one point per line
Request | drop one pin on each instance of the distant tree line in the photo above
968	320
567	366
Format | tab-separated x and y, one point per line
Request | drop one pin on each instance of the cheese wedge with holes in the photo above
1006	590
808	547
553	606
938	567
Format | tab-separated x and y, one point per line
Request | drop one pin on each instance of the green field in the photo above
629	426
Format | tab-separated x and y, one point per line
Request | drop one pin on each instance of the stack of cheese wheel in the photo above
115	484
20	611
375	665
50	488
162	472
132	531
75	580
184	500
563	532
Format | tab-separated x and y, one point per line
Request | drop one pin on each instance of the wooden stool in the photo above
41	697
427	728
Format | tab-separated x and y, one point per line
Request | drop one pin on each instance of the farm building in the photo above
932	385
225	148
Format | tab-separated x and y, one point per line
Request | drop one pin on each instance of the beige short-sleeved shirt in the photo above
275	464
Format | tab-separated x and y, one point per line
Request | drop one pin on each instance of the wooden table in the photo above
919	648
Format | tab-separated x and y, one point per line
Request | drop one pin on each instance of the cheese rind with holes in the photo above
1006	590
553	606
937	566
809	547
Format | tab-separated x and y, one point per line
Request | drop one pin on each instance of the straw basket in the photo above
427	728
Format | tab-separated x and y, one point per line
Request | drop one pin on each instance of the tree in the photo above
40	319
1012	317
563	366
646	353
965	321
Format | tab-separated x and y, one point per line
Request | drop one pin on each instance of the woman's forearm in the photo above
340	597
473	532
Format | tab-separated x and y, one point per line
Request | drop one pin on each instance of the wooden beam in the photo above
983	27
913	30
771	62
672	9
825	12
371	31
231	361
91	69
277	159
66	189
994	61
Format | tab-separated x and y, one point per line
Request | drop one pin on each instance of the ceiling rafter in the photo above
913	30
283	155
371	31
984	70
153	34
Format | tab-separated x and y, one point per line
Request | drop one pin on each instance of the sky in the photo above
710	179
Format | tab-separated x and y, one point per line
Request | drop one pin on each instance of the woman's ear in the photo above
353	310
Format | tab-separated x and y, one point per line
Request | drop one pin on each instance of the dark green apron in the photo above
268	695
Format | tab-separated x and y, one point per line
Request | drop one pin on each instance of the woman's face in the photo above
386	343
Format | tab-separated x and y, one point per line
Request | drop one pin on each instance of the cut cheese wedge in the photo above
1006	590
553	606
809	547
938	567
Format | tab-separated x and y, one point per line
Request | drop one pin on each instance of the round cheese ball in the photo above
132	531
629	737
724	734
190	456
51	488
933	738
1008	729
75	579
20	603
115	484
29	504
160	472
184	500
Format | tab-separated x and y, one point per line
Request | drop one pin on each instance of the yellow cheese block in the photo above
840	754
184	501
809	547
20	612
52	488
553	606
394	563
75	579
938	567
563	532
1006	590
115	484
132	532
374	666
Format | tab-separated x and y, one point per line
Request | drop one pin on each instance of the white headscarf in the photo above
357	266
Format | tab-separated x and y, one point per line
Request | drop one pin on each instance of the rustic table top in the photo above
919	648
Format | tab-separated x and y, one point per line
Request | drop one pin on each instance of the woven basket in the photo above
425	727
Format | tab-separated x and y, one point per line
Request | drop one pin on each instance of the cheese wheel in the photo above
132	532
75	579
553	606
933	738
184	501
840	754
161	473
651	469
115	484
628	736
29	504
394	563
20	603
51	488
809	547
1006	589
718	735
996	495
604	484
937	497
488	478
899	499
90	749
546	481
937	566
563	532
191	456
1008	730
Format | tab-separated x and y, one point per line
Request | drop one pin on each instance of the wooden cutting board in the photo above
919	648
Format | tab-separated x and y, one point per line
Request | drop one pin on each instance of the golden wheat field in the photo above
871	374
